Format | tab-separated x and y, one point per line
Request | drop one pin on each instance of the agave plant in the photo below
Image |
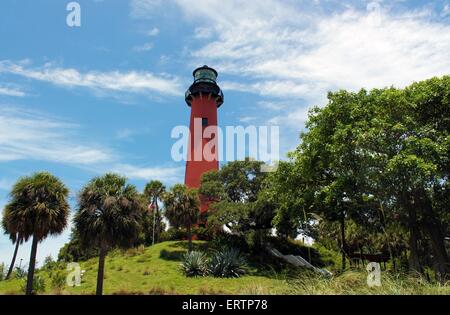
227	263
195	264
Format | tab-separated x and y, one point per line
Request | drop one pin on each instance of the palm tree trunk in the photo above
189	237
13	262
101	270
31	266
159	221
154	222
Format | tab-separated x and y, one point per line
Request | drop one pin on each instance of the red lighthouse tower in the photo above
204	97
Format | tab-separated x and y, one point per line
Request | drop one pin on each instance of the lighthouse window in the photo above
204	122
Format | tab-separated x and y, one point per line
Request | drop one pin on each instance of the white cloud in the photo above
203	32
11	92
284	49
132	81
143	48
247	119
144	8
164	174
129	134
29	135
445	10
153	32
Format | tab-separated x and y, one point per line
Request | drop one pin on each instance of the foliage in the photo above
182	208
38	208
20	272
74	250
227	263
195	264
240	200
38	285
109	215
58	280
165	278
373	167
173	234
153	194
2	271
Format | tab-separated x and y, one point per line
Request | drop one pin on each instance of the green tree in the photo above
240	200
38	208
108	215
379	159
153	193
182	208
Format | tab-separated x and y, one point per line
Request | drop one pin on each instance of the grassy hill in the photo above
156	270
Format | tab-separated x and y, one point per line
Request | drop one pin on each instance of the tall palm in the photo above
153	192
182	208
14	235
108	215
38	208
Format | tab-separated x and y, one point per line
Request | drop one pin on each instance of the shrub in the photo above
58	280
173	234
171	255
2	271
228	263
228	240
202	233
195	264
38	285
20	273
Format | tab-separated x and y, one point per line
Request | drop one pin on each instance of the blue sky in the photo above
79	102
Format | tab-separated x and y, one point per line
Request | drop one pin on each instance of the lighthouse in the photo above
204	97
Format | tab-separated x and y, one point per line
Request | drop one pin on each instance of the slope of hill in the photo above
155	270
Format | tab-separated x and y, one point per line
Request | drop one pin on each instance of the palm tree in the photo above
38	208
182	208
153	192
108	215
15	237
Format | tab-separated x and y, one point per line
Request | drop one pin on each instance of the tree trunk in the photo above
434	230
13	262
158	221
101	270
31	266
154	222
343	244
414	262
189	237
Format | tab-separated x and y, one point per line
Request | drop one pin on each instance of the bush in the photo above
2	272
20	273
228	240
38	285
74	252
58	280
195	264
228	263
173	235
202	233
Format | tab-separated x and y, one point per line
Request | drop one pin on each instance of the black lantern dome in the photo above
205	82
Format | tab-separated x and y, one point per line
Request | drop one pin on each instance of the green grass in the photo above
156	270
